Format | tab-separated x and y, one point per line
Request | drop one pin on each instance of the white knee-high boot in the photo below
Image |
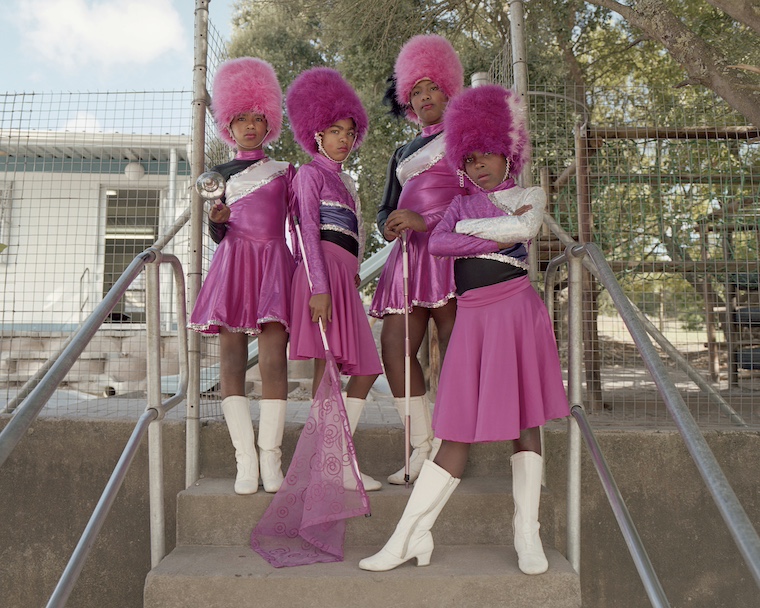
271	427
421	436
238	417
354	408
527	469
412	537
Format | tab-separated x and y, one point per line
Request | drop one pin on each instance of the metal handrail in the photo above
712	394
744	534
148	422
741	528
27	412
35	379
579	427
644	566
155	410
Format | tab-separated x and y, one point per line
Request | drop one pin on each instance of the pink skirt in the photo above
349	335
247	285
431	279
501	373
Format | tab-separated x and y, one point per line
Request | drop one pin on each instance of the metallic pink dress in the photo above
328	207
427	185
502	371
249	280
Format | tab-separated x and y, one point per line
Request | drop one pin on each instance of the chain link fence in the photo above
88	180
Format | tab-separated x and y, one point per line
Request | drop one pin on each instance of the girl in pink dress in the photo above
247	289
501	379
328	122
418	190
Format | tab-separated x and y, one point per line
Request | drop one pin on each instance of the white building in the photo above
75	209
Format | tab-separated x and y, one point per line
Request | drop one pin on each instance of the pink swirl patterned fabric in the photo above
306	520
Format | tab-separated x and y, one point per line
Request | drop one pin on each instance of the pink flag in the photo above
306	521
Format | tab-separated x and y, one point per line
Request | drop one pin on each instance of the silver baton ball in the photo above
210	185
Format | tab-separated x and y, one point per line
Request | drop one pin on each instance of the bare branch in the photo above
747	68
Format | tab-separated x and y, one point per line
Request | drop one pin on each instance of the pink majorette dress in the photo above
249	280
420	180
330	219
502	372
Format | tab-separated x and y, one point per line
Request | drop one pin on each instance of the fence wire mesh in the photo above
88	180
673	179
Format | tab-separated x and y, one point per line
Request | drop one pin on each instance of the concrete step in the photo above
379	448
479	512
478	576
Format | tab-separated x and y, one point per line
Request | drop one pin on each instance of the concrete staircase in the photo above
474	562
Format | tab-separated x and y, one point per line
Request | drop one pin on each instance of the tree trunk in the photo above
703	63
741	10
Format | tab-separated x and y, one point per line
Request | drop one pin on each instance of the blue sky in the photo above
100	45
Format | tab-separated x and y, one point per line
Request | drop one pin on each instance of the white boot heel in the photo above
412	537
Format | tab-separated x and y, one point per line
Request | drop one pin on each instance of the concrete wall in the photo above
48	489
688	543
53	480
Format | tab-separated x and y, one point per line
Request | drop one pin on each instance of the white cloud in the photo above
101	33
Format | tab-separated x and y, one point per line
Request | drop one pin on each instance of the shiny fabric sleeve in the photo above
391	193
292	212
510	228
444	242
308	185
432	219
217	231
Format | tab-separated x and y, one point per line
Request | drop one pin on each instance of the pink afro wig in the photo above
318	98
488	118
431	57
246	85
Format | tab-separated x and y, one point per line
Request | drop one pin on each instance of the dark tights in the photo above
453	455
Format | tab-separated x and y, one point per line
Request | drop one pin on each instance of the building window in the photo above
131	227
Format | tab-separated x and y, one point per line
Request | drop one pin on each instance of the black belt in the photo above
471	273
342	240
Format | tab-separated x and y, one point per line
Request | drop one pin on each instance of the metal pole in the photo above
155	438
575	394
197	162
520	86
172	213
407	362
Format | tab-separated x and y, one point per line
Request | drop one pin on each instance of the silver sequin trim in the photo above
400	311
336	204
497	257
251	331
350	185
423	150
429	164
501	205
254	185
340	229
